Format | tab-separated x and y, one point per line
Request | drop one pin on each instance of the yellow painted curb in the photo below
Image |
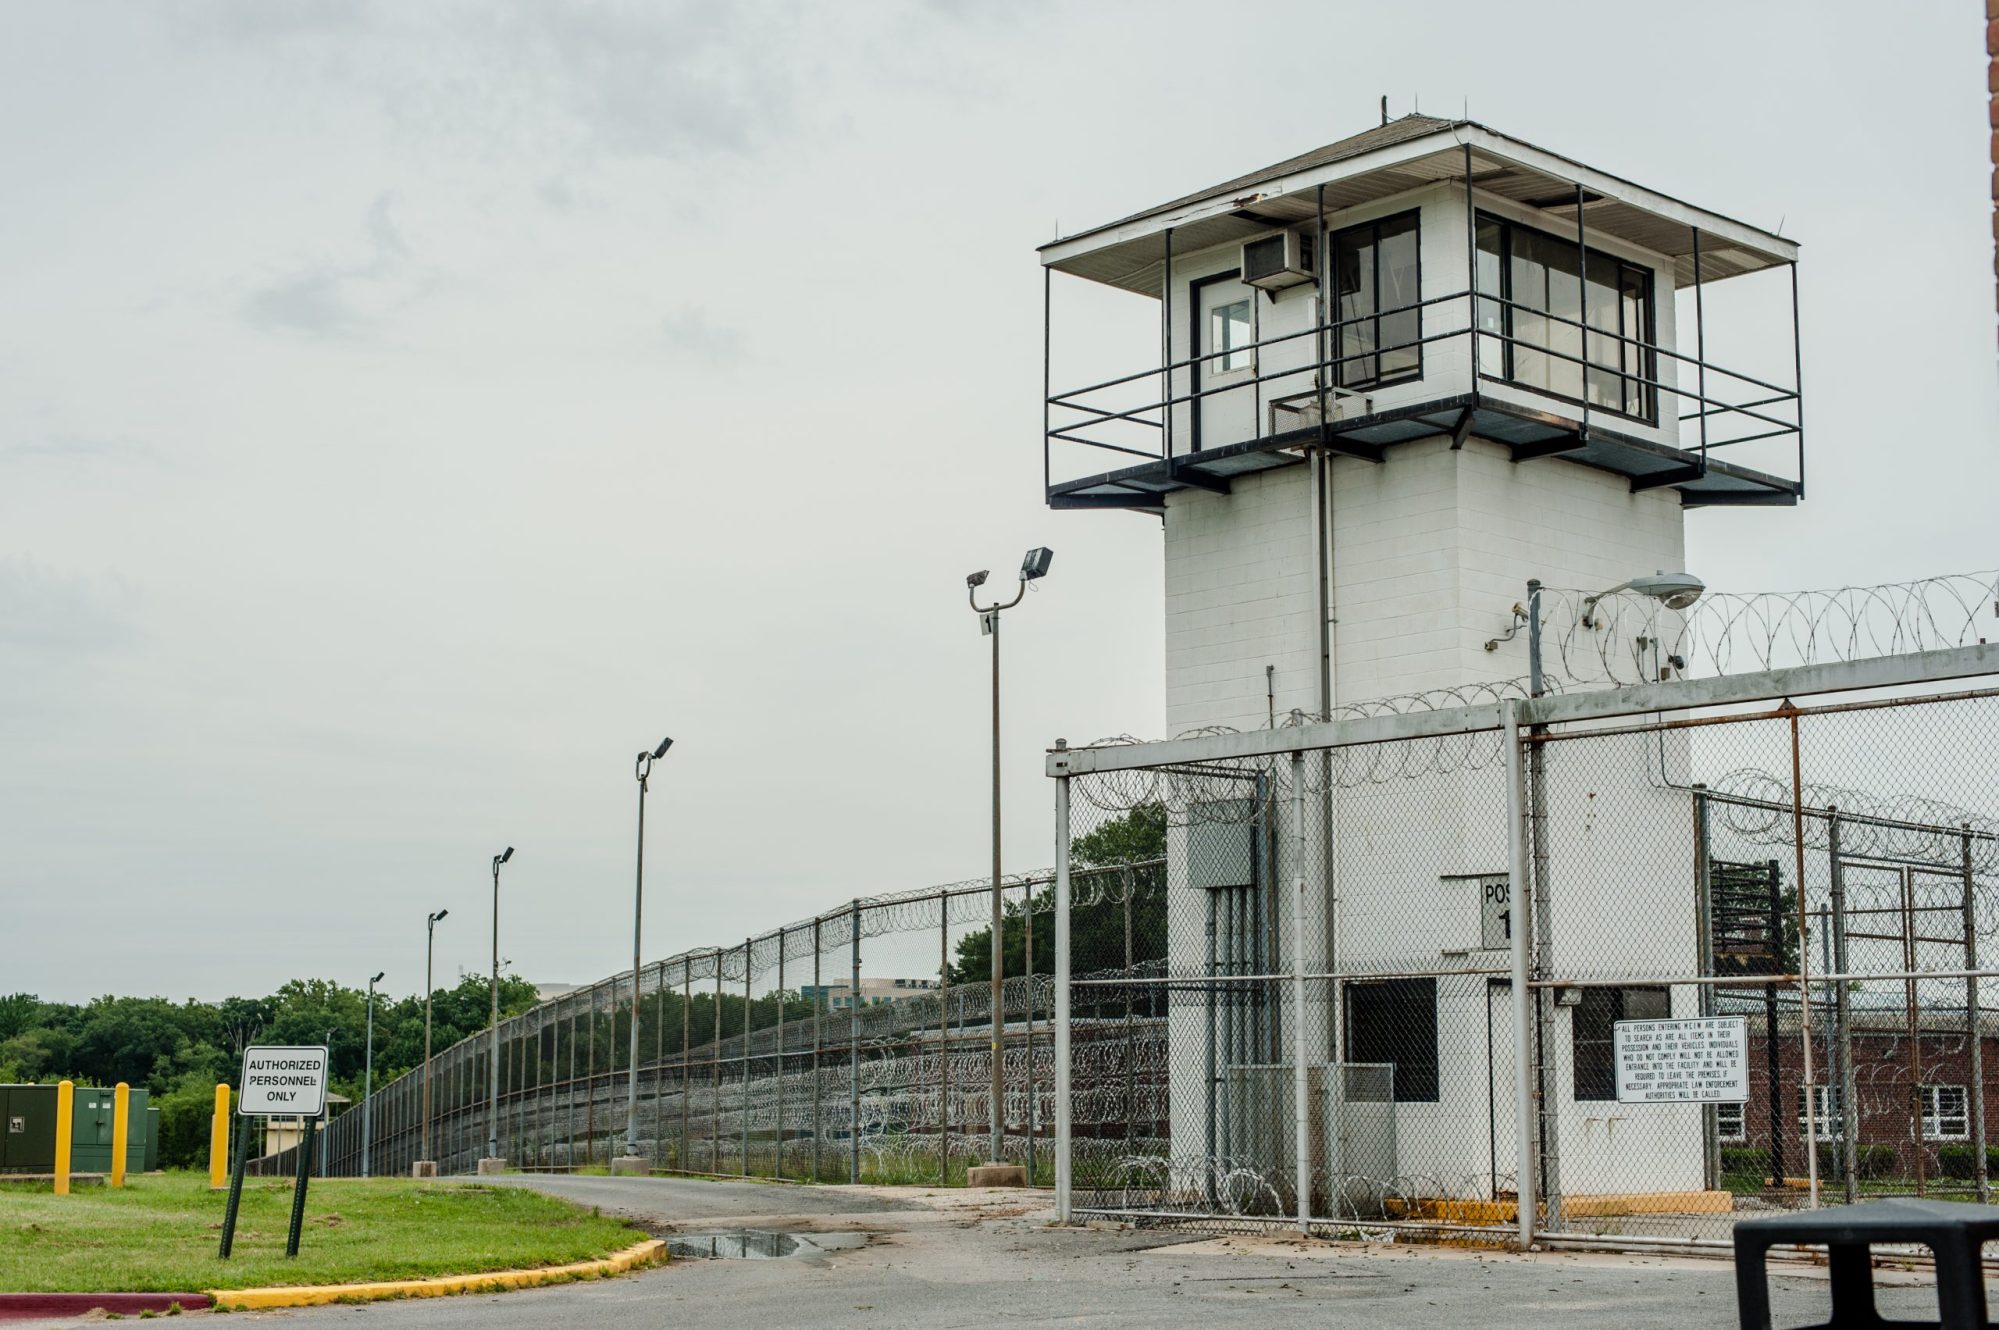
440	1286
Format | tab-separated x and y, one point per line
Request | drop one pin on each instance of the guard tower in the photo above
1393	380
1399	376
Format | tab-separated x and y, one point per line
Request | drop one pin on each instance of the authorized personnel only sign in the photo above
1700	1061
283	1082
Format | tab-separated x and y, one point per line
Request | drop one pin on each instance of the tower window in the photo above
1377	268
1531	297
1229	338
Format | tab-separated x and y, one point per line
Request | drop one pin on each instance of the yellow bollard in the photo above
65	1130
121	1130
218	1141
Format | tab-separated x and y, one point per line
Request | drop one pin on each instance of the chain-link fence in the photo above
1741	971
854	1046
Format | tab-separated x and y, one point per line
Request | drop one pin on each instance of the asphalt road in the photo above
941	1260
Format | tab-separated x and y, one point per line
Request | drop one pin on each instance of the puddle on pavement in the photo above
757	1244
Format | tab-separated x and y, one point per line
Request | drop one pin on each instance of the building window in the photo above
1591	1033
1825	1111
1945	1117
1395	1021
1377	270
1530	296
1731	1122
1229	338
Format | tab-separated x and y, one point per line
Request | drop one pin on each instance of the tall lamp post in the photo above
427	1167
1032	568
1675	591
368	1085
491	1161
642	770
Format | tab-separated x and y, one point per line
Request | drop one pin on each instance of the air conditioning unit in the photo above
1274	262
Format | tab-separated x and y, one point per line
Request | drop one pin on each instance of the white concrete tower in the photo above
1395	379
1361	455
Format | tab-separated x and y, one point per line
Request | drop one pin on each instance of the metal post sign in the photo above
1704	1060
283	1082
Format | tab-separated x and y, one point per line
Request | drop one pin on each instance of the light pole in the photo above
1032	568
1676	591
493	1048
642	769
429	951
368	1084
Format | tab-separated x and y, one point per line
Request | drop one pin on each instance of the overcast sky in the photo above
409	411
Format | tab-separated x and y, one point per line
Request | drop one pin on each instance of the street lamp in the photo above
429	951
493	1049
368	1083
1675	591
642	769
1032	568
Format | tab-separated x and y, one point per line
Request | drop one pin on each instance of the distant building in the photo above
873	992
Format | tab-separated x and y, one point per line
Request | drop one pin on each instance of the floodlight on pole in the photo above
430	922
368	1084
493	1048
1676	591
1033	567
643	770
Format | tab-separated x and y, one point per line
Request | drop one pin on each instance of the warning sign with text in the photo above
283	1082
1700	1061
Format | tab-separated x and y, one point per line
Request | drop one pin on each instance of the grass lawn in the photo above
160	1233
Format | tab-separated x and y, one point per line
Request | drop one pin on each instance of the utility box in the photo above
28	1115
90	1139
152	1158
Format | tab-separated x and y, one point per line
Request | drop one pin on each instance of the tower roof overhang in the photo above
1408	154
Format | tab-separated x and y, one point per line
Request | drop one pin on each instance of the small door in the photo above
1499	1087
1225	325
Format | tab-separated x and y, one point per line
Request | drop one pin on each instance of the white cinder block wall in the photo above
1430	549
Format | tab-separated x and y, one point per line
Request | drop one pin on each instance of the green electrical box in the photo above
152	1160
90	1139
28	1145
28	1113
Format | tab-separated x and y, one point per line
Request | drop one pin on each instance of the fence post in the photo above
1804	973
818	1007
1849	1108
683	1151
715	1077
854	1054
1524	1187
944	1036
1975	1028
1301	1087
1029	1123
1704	952
778	1156
1064	1164
749	945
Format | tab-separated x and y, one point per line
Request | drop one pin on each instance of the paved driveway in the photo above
941	1260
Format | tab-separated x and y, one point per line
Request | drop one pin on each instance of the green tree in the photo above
1137	840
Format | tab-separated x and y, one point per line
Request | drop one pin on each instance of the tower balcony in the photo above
1434	278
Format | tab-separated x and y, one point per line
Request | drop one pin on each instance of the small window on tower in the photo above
1229	338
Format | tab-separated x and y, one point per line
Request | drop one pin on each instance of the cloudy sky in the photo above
408	411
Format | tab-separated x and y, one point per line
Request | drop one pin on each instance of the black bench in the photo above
1955	1233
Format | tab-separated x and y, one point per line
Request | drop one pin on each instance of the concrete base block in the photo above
628	1165
424	1168
492	1164
996	1175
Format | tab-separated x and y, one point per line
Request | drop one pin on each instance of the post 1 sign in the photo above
287	1082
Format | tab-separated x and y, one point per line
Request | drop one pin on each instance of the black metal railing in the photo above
1726	407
